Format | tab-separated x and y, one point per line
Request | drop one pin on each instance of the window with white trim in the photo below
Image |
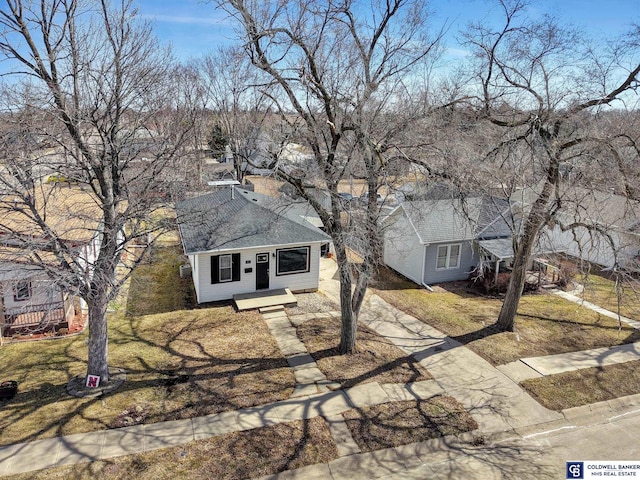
292	260
225	268
448	256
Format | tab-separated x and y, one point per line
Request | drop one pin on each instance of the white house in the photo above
599	227
239	242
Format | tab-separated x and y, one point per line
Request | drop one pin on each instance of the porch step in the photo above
270	298
272	309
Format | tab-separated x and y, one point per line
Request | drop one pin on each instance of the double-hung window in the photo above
225	268
448	256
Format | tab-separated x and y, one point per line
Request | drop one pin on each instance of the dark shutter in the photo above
235	267
215	269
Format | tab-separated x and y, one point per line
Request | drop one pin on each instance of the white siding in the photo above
89	254
208	292
593	246
402	249
193	261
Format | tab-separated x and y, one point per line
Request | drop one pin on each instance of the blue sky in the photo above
194	27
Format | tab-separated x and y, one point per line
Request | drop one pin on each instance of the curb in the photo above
607	409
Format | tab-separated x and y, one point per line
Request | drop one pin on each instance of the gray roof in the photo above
447	220
223	220
498	247
503	248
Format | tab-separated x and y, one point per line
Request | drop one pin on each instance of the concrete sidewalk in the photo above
87	447
591	306
597	357
495	401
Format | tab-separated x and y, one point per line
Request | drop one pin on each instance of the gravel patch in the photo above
315	302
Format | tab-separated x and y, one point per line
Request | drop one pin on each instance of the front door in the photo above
262	271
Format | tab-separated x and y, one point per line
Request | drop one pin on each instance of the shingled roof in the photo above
232	218
446	220
70	213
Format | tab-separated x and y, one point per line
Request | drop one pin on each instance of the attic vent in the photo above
255	199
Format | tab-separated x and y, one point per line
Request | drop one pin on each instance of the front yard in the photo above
377	359
183	361
179	363
601	290
545	325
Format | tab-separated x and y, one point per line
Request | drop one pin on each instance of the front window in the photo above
225	268
448	257
292	260
22	291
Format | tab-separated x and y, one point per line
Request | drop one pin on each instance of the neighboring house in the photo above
606	228
30	298
443	240
214	172
239	242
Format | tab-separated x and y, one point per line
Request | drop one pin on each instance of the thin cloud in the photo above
183	20
457	52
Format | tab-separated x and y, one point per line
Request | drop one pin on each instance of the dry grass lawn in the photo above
399	423
156	287
545	325
377	360
582	387
234	456
602	291
179	364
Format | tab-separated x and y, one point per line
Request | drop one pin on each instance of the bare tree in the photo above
546	92
93	84
336	72
241	108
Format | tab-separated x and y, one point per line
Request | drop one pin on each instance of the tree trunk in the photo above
349	325
98	344
349	321
507	317
534	221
